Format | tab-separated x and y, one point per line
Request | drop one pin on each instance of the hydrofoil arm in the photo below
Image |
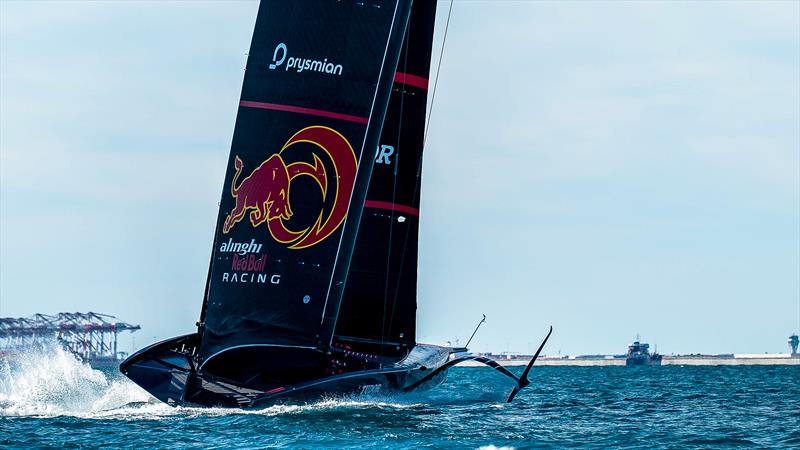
521	381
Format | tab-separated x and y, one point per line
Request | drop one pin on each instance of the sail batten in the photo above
380	103
301	110
411	80
391	207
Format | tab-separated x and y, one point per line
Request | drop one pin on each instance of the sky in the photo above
608	168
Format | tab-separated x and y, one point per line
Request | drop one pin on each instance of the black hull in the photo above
644	361
167	371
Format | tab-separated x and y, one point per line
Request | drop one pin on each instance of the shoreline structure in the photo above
763	359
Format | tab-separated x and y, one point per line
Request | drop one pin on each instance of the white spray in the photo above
51	381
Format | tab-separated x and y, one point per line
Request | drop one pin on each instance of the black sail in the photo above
379	307
315	92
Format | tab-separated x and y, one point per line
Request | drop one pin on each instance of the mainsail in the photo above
380	301
315	92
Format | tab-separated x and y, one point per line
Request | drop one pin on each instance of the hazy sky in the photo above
608	168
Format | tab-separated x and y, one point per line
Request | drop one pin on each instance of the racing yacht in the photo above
312	283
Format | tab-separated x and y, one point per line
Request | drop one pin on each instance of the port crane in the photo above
91	336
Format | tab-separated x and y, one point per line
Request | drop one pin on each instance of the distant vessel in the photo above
793	342
639	355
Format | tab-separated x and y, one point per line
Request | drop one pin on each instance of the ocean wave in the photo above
51	381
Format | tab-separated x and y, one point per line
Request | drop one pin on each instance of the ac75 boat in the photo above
311	287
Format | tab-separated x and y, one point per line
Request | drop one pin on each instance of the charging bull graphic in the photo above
265	193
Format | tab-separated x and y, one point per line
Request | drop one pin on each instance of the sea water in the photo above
50	400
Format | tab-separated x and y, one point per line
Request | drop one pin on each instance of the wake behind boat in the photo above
311	288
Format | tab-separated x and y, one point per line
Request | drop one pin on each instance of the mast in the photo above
380	300
374	132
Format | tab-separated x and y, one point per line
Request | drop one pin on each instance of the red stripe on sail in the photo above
391	207
411	80
300	110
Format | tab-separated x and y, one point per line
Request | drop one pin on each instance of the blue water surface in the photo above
49	406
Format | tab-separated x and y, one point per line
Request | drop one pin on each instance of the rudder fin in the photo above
523	379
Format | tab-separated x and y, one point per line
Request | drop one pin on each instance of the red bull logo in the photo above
263	196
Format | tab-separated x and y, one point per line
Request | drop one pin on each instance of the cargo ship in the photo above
639	355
